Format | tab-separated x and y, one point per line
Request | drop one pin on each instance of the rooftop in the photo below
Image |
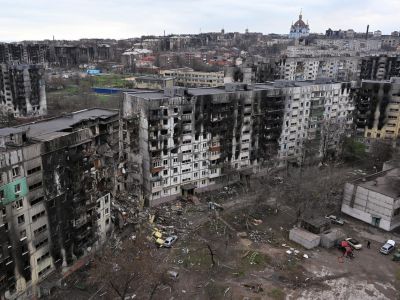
386	183
45	127
10	130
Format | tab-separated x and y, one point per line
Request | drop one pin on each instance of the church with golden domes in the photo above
299	29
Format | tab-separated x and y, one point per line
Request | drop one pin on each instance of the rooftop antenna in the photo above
366	34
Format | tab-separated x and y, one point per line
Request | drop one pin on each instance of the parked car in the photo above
335	219
354	243
388	247
169	241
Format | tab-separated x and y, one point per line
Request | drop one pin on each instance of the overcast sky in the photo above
75	19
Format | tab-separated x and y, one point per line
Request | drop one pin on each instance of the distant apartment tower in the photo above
378	110
312	68
57	178
381	67
22	90
317	116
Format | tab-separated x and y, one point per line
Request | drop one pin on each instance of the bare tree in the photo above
127	268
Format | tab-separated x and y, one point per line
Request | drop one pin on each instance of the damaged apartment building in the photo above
22	90
378	110
57	180
186	139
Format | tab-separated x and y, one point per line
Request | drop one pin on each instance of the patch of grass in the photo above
113	80
276	294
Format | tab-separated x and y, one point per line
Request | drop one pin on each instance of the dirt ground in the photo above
248	243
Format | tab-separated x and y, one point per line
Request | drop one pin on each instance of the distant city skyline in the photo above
119	19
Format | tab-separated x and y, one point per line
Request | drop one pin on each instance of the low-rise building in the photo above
188	78
375	199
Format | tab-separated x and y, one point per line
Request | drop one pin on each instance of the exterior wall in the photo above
364	204
54	219
195	79
314	113
22	90
306	68
378	110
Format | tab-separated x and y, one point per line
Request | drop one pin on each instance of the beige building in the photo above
187	77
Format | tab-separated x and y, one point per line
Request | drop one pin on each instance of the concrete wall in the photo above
305	238
367	204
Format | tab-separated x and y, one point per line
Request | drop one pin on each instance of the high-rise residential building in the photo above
190	138
22	90
56	184
381	67
378	110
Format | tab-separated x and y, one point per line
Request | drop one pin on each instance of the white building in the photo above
299	29
375	199
314	111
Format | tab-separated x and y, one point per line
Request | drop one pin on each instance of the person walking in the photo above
368	244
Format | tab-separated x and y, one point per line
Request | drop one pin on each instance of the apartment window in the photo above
175	179
204	163
195	174
203	182
43	257
156	164
175	160
38	215
204	155
16	171
18	204
22	234
44	270
165	172
203	173
107	211
187	151
196	165
21	219
17	188
156	194
40	230
106	199
41	243
165	162
34	170
175	170
35	186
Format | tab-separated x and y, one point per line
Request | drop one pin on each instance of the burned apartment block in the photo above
56	186
378	110
380	67
195	138
22	90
